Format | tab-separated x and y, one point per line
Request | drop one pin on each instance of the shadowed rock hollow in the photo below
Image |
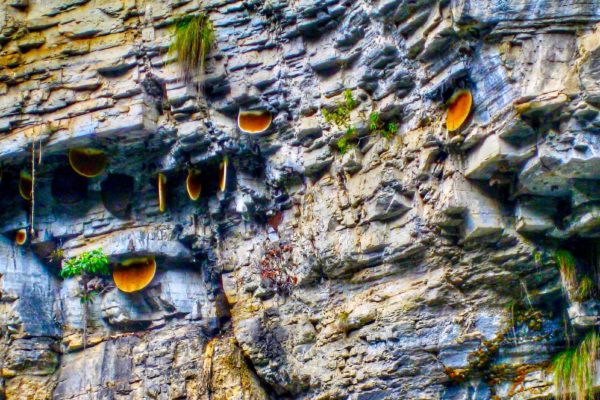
357	248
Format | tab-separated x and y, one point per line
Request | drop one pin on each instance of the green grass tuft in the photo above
194	36
568	272
586	289
574	370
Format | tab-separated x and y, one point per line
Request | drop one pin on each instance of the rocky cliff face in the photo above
416	266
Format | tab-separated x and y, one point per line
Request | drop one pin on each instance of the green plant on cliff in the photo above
567	267
574	370
86	265
340	115
56	255
93	262
347	141
585	290
194	36
378	127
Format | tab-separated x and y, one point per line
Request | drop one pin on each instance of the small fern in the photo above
194	36
575	369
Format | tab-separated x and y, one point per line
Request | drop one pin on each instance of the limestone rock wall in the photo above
412	267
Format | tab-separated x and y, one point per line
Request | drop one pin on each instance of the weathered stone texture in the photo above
407	260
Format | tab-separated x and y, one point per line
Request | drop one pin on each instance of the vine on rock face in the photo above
276	267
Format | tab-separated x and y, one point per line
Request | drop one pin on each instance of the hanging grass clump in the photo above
254	121
25	185
568	270
459	108
193	184
134	274
87	162
586	289
575	369
194	36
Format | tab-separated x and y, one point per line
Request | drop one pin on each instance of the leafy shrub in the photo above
93	262
194	36
87	265
347	141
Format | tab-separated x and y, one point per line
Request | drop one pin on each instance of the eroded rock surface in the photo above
414	266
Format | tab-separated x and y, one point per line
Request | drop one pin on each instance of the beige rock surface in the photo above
365	256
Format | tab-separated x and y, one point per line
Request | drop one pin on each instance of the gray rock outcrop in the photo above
340	262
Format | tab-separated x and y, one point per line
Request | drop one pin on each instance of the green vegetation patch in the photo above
340	117
574	370
194	36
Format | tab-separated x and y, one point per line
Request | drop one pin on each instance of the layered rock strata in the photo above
340	262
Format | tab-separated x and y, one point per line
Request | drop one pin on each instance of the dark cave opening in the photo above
117	193
68	187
